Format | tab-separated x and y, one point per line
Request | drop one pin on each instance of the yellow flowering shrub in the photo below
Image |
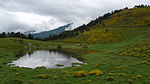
129	81
122	74
111	74
119	67
144	62
96	72
140	49
137	77
17	73
52	70
55	77
89	81
44	76
97	65
137	49
67	72
80	74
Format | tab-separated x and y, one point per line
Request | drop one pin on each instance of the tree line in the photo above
17	34
141	6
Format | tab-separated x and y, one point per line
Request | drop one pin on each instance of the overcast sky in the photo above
43	15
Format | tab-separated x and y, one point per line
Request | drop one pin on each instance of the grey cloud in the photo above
66	11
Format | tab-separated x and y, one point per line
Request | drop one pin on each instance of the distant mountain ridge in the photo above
29	32
56	31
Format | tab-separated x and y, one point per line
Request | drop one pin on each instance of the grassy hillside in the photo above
126	24
100	35
130	17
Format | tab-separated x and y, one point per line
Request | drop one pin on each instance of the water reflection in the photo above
48	59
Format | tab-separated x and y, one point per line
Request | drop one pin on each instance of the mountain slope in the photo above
126	24
51	32
139	16
29	32
130	17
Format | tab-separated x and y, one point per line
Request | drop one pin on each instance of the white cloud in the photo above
38	22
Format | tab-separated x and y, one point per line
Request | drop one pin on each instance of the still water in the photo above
48	59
